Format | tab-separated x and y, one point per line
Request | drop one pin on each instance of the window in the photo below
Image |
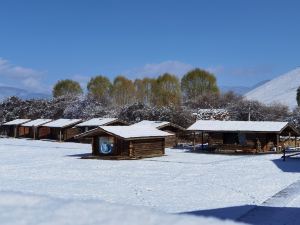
106	145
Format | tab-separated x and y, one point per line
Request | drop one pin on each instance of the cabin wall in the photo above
148	147
132	149
43	132
24	131
121	147
171	141
69	133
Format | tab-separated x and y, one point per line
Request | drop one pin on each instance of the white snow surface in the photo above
36	209
60	123
181	181
16	122
252	126
151	123
282	89
128	132
36	123
96	122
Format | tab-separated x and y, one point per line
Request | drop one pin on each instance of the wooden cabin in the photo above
33	129
96	122
126	142
12	128
176	130
61	129
245	136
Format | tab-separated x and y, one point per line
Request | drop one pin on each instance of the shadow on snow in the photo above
252	214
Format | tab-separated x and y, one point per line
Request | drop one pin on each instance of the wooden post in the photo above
295	142
284	153
15	131
194	142
277	143
202	141
289	139
164	146
59	135
131	153
33	128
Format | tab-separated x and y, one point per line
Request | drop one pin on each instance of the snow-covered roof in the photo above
61	123
127	132
36	123
156	124
16	122
239	126
97	122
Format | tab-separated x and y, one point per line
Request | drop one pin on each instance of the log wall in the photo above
148	147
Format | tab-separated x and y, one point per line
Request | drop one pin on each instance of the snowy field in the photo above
50	180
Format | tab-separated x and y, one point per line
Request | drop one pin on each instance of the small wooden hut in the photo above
11	128
247	136
176	130
33	129
61	129
126	142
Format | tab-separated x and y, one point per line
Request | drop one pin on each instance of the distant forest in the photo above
162	98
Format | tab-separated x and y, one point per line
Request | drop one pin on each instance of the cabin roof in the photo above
157	124
17	122
126	132
61	123
95	122
36	123
239	126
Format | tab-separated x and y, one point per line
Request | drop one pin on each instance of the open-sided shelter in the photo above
33	129
252	136
61	129
172	128
12	128
124	142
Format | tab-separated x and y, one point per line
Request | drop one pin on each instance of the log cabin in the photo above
176	130
61	129
11	128
96	122
126	142
33	129
244	136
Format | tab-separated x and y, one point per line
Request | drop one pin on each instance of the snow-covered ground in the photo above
181	183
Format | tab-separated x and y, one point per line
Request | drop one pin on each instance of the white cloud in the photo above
155	69
23	77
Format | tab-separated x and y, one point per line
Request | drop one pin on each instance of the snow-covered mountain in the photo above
6	92
241	89
279	90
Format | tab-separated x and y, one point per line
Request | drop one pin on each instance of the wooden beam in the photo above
194	142
277	142
202	140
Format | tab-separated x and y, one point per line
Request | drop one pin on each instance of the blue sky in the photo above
242	42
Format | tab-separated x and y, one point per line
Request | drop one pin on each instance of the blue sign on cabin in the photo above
106	145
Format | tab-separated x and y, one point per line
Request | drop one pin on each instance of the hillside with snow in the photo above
279	90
